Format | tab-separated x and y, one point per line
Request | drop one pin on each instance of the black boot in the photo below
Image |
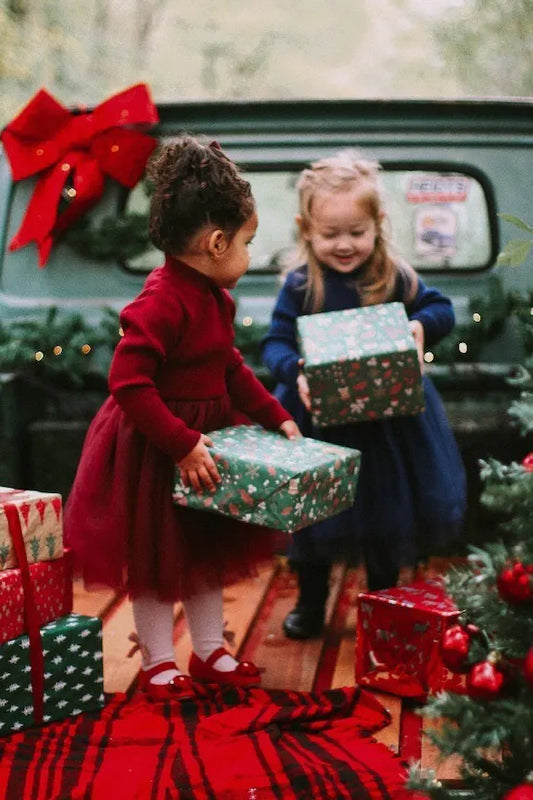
377	581
307	617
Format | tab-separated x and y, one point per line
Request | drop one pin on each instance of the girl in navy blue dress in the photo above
411	493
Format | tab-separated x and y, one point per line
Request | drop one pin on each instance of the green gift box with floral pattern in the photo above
361	364
73	673
269	480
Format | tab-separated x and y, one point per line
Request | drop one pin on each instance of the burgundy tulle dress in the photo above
175	374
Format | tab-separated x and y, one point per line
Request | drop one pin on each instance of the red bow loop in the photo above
133	106
123	154
77	147
29	140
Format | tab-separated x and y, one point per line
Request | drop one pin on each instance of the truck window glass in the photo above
439	220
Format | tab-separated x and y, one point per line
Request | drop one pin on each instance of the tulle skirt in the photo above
125	531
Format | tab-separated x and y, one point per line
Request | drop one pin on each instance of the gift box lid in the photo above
277	460
19	496
427	596
354	333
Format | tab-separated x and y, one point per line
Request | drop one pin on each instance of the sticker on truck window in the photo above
435	232
438	189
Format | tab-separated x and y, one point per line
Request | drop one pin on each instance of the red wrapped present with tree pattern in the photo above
52	583
41	521
399	640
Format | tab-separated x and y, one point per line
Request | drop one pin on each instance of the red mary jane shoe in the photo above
245	673
180	687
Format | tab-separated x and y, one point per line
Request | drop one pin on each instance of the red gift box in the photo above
52	584
399	639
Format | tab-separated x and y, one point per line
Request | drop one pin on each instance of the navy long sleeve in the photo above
280	346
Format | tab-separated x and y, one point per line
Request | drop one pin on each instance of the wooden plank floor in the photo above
254	610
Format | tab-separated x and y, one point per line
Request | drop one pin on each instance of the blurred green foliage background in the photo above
223	49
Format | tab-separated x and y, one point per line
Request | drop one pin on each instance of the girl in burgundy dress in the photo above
175	375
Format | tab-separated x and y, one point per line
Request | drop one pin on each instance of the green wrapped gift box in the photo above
73	673
273	481
361	364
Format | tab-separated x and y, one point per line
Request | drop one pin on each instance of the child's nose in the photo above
344	243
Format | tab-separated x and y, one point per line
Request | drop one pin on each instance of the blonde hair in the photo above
344	171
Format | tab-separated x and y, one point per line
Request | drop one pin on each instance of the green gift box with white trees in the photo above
73	673
361	364
272	481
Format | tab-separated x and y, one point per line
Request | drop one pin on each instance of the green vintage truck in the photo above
450	168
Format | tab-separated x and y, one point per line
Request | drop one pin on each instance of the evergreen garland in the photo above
59	348
118	237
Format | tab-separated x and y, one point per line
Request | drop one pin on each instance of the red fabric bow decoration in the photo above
81	148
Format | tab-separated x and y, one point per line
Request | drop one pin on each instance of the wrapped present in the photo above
40	515
399	638
72	679
360	364
52	585
269	480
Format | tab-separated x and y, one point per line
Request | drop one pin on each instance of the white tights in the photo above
154	621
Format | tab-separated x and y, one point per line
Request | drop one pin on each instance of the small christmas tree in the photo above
491	726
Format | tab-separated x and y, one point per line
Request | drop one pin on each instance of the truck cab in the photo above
449	169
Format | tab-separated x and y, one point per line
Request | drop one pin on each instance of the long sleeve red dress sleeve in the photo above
178	345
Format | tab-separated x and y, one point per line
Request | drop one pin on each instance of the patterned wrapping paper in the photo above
41	519
73	676
52	582
360	364
269	480
399	638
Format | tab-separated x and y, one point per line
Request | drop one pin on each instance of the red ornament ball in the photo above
528	666
524	791
515	583
527	462
455	648
484	681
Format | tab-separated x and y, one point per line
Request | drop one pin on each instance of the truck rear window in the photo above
440	220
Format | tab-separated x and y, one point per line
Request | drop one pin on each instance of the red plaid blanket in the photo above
234	745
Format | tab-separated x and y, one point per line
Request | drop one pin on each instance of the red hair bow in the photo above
81	148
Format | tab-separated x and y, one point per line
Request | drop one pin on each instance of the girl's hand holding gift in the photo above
417	329
290	429
198	469
303	387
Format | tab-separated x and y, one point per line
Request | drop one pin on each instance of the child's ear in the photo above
302	226
217	243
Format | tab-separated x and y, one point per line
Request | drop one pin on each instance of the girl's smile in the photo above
342	233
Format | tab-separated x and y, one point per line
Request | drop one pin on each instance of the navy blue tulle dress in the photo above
411	495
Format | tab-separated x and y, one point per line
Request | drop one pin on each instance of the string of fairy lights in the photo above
85	349
249	333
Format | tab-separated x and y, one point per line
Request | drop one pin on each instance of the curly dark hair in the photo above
194	184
